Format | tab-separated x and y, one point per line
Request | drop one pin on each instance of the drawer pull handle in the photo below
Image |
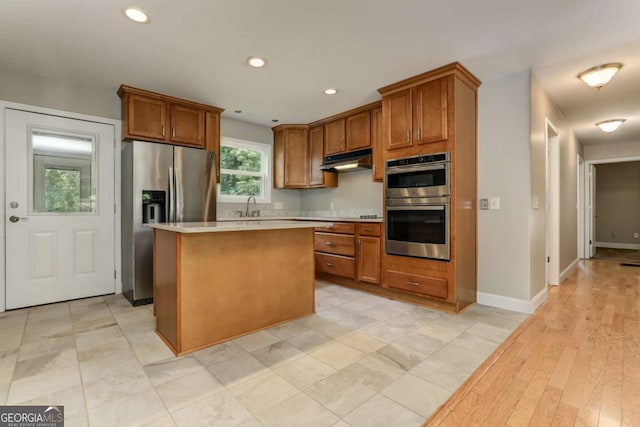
329	227
413	283
367	229
328	243
329	264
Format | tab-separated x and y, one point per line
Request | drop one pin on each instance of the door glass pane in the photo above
63	178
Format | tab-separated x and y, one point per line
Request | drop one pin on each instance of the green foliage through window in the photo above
242	170
62	190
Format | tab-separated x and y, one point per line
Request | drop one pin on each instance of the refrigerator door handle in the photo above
172	196
178	195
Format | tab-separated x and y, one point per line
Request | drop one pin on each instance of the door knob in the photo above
14	218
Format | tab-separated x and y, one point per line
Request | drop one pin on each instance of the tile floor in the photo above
361	360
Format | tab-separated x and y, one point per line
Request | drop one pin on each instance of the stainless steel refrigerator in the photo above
160	183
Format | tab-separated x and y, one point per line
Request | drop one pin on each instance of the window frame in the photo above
267	153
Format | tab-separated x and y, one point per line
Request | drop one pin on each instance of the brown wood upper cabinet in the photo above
348	134
417	115
376	144
317	177
151	116
290	156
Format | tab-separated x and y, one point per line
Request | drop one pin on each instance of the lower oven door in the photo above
418	228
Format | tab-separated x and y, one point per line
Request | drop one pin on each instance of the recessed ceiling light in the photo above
275	120
238	111
610	125
256	61
136	15
330	91
600	75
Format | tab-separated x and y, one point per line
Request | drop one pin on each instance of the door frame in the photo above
583	208
552	208
580	210
117	124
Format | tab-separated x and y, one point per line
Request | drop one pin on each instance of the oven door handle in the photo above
404	169
417	208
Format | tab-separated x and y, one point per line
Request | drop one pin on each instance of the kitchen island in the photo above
217	281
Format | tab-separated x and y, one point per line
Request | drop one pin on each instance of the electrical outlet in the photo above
332	206
278	206
636	235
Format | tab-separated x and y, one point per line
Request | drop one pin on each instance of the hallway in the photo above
575	362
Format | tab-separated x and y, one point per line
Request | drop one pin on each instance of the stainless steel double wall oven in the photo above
418	218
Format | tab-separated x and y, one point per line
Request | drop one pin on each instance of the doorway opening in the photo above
611	209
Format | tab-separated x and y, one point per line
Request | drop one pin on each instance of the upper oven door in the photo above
419	230
422	180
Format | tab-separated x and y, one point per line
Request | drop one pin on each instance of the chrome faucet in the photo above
246	212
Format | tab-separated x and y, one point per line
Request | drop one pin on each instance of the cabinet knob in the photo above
329	243
329	264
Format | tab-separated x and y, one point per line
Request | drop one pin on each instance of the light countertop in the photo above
253	224
302	218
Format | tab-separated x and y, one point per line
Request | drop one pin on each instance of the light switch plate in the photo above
494	202
484	204
636	235
535	202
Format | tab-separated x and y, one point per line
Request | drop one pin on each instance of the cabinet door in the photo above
430	109
369	259
296	158
397	126
358	131
376	144
146	117
187	125
334	137
212	139
318	177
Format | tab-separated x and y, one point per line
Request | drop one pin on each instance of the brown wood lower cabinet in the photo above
369	259
337	254
432	286
339	265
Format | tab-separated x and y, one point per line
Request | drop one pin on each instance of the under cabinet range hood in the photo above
348	162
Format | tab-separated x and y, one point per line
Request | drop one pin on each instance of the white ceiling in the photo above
197	49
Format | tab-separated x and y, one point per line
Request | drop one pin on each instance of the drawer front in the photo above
431	286
336	264
369	229
338	244
338	227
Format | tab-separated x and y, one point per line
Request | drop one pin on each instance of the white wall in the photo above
504	171
355	190
542	108
615	150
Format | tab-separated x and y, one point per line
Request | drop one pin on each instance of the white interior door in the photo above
59	208
592	211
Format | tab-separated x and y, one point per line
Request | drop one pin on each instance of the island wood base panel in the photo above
213	287
424	301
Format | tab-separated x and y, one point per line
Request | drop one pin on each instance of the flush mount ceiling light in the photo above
136	15
330	91
600	75
610	125
256	61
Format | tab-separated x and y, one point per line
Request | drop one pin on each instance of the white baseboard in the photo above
618	245
513	304
565	273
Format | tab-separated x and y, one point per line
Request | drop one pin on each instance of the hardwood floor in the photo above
575	362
